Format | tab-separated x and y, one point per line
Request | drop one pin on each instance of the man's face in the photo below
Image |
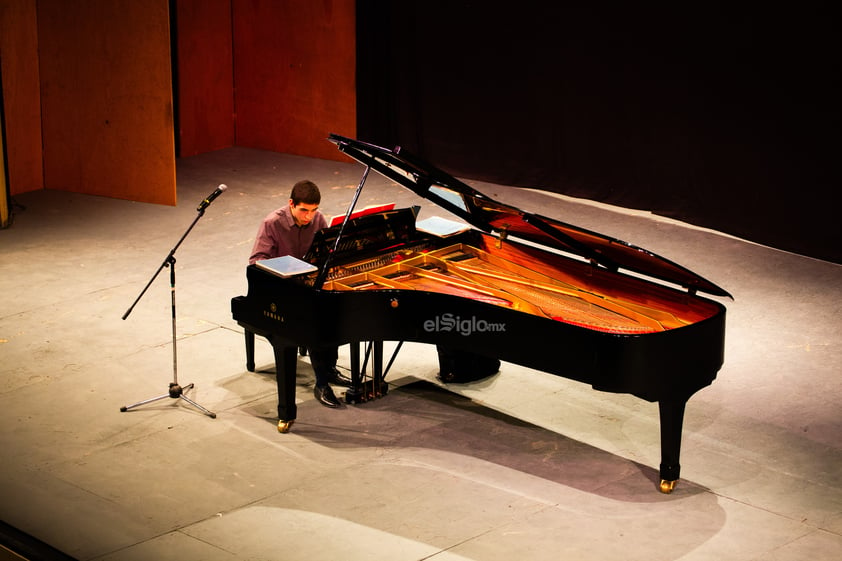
303	213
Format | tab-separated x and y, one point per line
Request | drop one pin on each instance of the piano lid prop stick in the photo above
320	280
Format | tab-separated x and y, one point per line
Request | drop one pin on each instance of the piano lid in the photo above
494	217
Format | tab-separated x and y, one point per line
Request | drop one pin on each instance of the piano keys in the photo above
618	317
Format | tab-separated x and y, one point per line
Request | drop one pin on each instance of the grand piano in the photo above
511	285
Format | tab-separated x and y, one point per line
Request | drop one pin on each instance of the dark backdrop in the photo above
723	116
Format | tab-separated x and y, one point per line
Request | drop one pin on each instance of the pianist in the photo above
290	230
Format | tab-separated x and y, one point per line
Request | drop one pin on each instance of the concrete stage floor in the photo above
523	465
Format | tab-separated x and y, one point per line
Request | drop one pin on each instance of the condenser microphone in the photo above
204	204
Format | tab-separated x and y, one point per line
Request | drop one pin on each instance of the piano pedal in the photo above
367	391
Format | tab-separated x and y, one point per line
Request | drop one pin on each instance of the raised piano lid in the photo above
491	216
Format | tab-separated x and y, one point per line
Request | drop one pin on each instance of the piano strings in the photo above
469	272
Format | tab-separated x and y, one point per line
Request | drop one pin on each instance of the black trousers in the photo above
323	360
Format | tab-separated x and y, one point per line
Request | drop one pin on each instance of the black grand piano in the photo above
515	286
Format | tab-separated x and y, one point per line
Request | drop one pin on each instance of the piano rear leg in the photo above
285	366
672	420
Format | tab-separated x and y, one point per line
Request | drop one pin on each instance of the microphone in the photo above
204	204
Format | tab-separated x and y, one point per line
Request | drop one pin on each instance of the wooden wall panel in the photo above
294	74
106	89
205	76
21	97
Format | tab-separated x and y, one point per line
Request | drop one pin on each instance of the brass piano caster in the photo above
284	426
667	486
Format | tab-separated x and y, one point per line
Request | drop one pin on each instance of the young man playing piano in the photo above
290	230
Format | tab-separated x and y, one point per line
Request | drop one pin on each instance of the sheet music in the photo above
336	220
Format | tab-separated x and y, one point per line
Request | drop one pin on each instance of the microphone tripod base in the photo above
175	392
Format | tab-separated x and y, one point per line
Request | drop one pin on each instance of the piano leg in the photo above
249	350
285	365
672	419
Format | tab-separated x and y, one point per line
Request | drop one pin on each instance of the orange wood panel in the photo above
21	96
205	76
4	199
294	74
106	90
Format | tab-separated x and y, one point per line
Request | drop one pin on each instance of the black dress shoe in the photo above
340	379
326	397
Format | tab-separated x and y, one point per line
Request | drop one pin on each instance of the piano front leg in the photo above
286	357
672	420
249	349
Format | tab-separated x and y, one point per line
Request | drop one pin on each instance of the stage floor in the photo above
521	465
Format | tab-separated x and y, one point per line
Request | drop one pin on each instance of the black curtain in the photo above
723	116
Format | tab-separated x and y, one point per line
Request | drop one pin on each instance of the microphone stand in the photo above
176	391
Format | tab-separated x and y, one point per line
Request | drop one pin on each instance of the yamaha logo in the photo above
272	313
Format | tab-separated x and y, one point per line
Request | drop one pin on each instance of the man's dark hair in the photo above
306	192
